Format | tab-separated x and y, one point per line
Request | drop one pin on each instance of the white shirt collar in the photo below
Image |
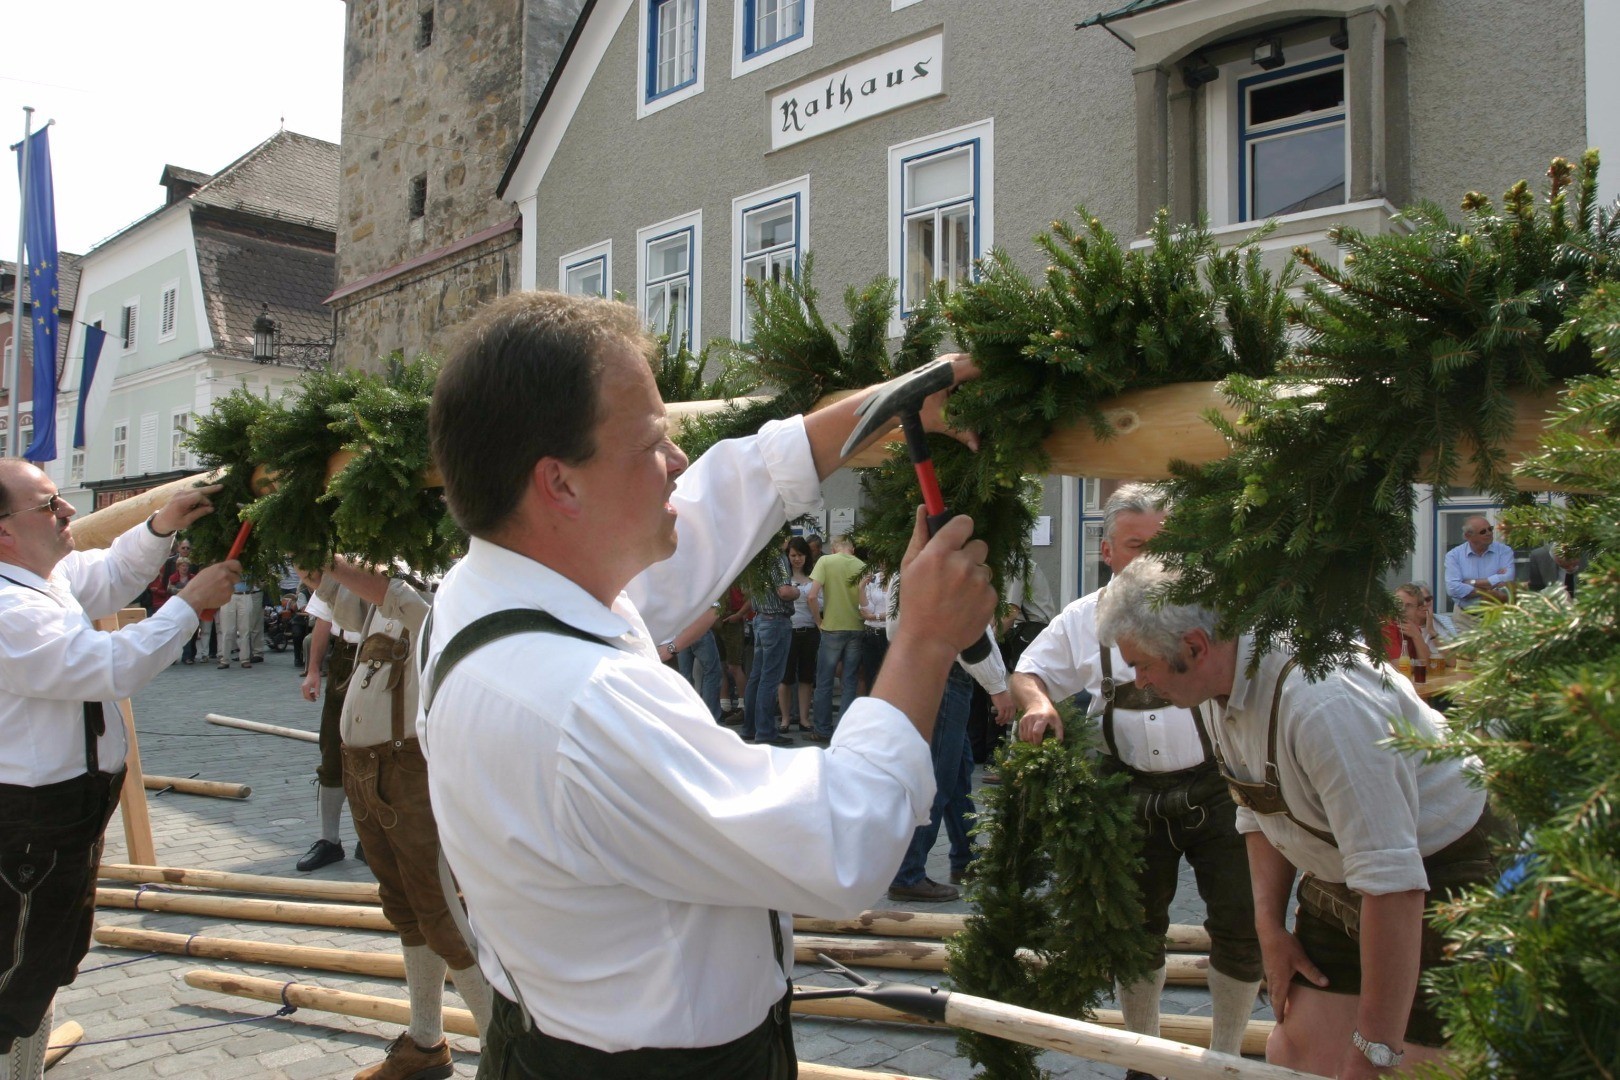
525	582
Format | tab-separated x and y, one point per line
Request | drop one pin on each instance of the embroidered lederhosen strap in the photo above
95	719
475	635
1266	797
1127	695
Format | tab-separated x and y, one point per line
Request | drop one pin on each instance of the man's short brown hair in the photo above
520	385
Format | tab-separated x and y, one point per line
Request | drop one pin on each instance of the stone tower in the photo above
435	96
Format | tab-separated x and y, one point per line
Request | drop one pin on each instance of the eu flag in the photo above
39	237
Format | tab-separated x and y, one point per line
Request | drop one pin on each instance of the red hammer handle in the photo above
235	553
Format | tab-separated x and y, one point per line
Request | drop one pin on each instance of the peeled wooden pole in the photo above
63	1038
901	954
189	785
262	728
355	892
349	916
1087	1040
879	922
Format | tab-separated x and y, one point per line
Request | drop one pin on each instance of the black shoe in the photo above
360	853
927	890
321	853
775	740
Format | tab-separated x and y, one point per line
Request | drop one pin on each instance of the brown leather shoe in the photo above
407	1061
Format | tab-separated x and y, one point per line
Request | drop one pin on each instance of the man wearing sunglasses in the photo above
61	760
1479	567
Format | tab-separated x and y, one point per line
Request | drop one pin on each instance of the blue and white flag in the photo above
39	237
94	338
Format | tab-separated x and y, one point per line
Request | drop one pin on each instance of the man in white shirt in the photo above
336	646
1182	803
624	859
62	746
1381	834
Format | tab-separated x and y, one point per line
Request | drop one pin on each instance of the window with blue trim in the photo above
672	31
770	249
588	278
1292	136
769	23
667	308
939	194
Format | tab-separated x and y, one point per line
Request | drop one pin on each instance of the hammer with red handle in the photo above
235	553
902	399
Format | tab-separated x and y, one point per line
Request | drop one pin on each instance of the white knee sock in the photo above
26	1061
475	991
331	810
424	978
1233	1003
1140	1003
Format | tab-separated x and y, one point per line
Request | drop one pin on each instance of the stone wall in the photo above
436	95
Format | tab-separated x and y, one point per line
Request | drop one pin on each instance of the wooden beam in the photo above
190	785
351	916
354	892
64	1038
132	808
261	728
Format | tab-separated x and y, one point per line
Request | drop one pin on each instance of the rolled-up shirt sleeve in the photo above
1064	656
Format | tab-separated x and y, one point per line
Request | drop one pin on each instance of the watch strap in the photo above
1385	1057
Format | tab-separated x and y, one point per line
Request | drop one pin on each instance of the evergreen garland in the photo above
223	439
1408	355
1535	989
1055	875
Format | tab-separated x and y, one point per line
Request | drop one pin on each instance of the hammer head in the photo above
898	398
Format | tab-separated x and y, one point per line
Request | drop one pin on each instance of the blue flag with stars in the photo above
39	237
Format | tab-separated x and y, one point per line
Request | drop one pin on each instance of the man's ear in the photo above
1197	643
558	487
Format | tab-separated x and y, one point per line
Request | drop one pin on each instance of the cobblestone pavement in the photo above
266	834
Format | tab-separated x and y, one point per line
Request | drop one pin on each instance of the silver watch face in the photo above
1377	1053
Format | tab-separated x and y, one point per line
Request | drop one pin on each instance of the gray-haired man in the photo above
1183	804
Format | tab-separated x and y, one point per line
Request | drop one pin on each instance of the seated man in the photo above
1380	834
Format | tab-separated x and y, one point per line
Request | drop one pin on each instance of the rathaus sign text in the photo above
901	76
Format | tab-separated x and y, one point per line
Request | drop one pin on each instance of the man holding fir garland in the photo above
1380	834
627	862
385	778
62	744
1182	802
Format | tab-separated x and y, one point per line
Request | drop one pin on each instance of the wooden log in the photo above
262	728
354	892
101	527
231	907
190	785
377	965
1193	1030
1183	937
132	808
64	1037
902	954
305	996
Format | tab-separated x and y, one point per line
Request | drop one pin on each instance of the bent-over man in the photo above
626	861
1379	834
1182	803
62	745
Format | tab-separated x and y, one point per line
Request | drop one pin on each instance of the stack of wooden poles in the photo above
891	940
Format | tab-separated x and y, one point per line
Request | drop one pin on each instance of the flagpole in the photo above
14	365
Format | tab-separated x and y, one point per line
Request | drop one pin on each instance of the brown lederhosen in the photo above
388	799
1328	923
339	663
1186	814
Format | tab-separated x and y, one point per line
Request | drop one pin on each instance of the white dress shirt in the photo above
317	608
618	849
53	659
1464	564
368	704
1387	810
1068	659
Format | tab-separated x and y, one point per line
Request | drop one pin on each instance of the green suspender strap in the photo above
466	641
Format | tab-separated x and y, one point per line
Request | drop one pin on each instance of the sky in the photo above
135	85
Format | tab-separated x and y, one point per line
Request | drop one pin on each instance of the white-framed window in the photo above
671	57
179	431
25	432
149	442
1293	151
76	467
941	209
669	270
120	448
588	271
129	323
768	30
770	231
168	311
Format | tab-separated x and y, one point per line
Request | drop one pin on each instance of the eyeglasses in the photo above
54	504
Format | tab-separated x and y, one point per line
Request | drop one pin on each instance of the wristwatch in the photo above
1377	1053
670	645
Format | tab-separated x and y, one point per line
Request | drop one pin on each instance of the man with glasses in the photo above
1479	567
61	761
